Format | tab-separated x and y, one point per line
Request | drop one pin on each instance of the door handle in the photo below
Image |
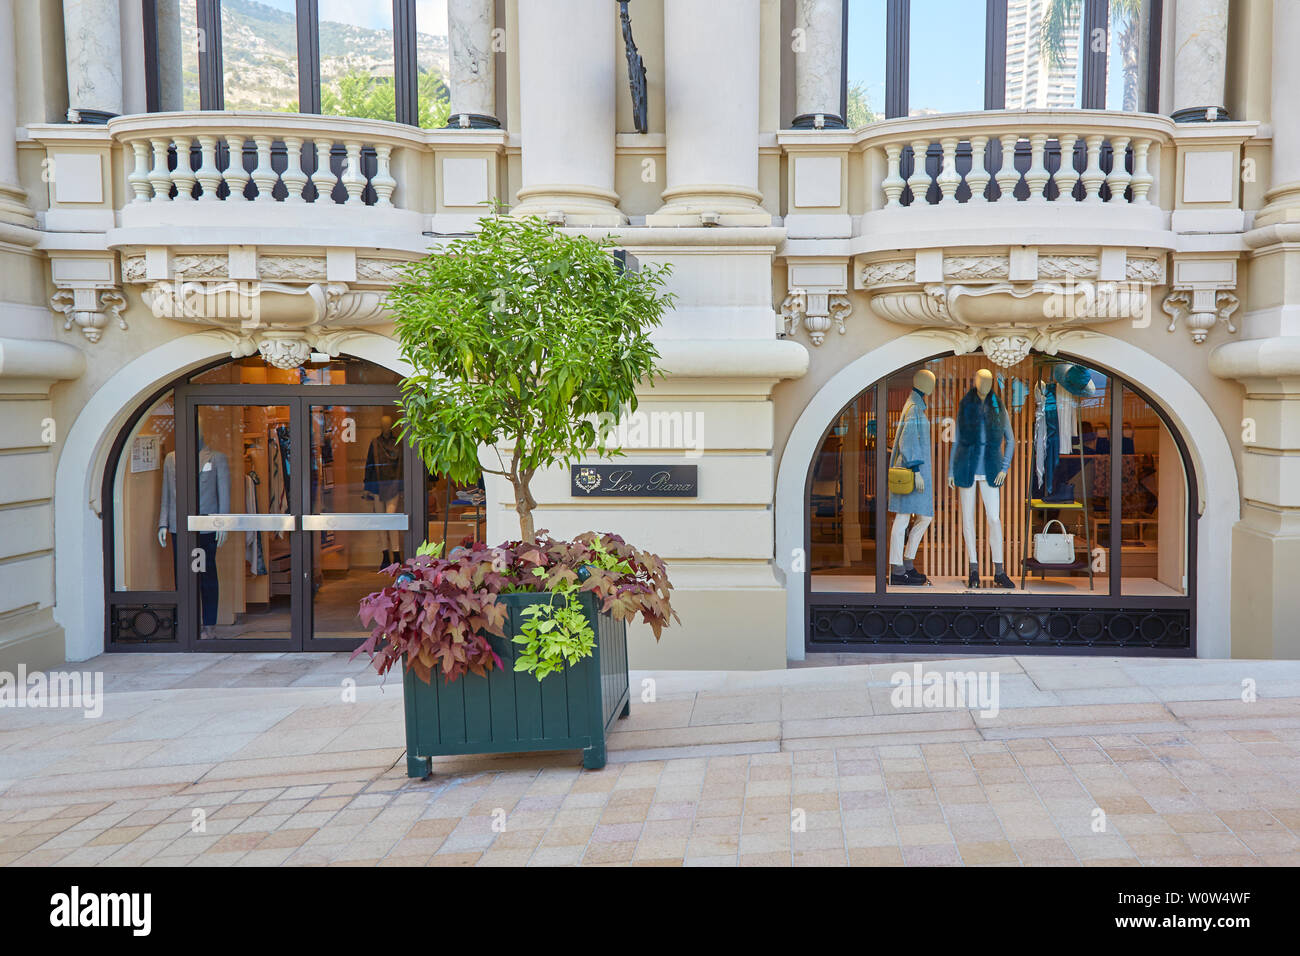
240	522
356	522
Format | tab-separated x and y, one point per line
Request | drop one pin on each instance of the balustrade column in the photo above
473	64
92	38
1200	60
818	64
711	64
567	111
13	199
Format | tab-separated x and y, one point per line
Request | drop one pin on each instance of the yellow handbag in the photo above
902	481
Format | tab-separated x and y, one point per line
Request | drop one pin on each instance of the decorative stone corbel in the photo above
817	298
816	311
1201	294
1200	310
89	309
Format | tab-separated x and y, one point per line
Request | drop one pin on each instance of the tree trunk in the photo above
524	508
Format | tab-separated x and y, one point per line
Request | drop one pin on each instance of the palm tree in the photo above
1129	17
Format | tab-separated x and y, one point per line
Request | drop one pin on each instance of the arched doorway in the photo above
250	508
1100	461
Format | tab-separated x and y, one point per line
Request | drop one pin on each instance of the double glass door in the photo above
288	502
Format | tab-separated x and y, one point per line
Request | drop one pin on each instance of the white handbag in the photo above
1054	548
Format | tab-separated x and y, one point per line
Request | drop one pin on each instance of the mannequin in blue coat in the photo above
912	450
980	459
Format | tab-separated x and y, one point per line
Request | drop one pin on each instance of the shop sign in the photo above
634	481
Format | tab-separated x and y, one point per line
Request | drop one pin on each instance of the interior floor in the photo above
1078	584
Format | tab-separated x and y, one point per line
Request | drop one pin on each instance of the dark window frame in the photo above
1113	599
1094	13
307	24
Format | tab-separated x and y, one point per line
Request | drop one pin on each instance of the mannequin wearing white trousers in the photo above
898	534
991	497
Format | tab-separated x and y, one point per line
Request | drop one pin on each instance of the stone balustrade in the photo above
259	157
1016	156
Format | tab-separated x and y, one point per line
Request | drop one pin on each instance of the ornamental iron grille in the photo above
143	623
978	626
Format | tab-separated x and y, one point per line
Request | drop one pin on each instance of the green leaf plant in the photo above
438	613
521	339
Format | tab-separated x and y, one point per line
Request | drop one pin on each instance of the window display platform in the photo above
823	583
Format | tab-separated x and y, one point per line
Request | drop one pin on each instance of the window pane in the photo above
945	57
866	70
259	55
432	57
457	513
842	501
1127	63
1154	502
356	59
1071	406
342	370
1044	66
178	55
142	503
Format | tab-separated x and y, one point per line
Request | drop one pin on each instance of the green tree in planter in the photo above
527	337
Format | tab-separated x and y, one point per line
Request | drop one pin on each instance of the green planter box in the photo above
509	712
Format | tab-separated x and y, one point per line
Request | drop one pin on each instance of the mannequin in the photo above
383	485
214	498
913	450
984	448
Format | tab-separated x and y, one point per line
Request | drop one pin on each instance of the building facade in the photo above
906	359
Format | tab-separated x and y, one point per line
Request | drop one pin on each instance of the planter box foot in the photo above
627	709
418	766
593	757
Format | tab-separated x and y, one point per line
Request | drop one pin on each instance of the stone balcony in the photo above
1005	227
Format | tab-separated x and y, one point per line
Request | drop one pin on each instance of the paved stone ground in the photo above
805	766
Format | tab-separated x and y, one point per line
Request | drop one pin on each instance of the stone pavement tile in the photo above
765	859
661	848
931	855
718	860
1274	840
1215	844
995	851
707	846
1157	845
498	856
559	836
1099	846
886	855
557	856
1043	851
454	859
827	857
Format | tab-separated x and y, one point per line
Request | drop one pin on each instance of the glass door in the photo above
355	519
240	530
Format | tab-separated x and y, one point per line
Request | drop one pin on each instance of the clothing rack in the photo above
1033	505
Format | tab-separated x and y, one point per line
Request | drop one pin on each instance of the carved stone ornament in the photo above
89	309
815	311
1009	303
284	323
1200	310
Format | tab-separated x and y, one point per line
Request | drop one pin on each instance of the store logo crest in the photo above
587	480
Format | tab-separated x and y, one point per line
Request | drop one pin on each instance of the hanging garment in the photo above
913	450
1055	423
383	474
252	539
278	473
985	441
1019	393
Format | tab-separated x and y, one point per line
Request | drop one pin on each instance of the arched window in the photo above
957	485
251	508
918	57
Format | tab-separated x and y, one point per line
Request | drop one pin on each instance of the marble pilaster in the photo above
92	37
473	64
1200	60
818	64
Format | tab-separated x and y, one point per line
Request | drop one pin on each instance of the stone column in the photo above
567	111
1282	201
92	38
473	65
818	64
711	80
1200	60
13	199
